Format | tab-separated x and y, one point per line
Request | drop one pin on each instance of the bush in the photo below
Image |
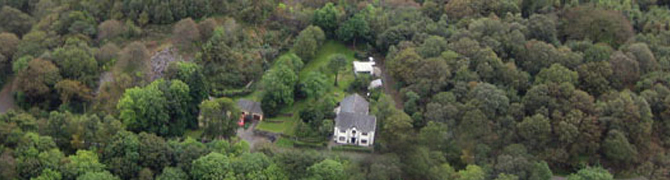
352	148
185	33
8	44
107	53
110	29
207	28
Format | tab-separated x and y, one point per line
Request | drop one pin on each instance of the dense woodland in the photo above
489	89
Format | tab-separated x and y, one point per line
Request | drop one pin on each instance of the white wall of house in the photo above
345	137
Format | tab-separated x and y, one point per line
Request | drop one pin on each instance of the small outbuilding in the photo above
250	109
375	84
364	67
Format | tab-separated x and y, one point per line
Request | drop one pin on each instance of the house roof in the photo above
362	122
250	106
375	84
363	66
354	104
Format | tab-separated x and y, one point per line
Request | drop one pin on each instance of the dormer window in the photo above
353	132
343	131
364	134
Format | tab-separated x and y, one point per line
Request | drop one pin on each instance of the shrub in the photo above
110	29
185	32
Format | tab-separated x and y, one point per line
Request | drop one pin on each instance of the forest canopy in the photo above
473	89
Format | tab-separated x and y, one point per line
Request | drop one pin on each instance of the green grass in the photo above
285	126
318	64
195	134
284	142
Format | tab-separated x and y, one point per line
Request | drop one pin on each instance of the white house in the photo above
353	125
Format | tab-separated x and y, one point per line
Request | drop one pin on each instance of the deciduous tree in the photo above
185	33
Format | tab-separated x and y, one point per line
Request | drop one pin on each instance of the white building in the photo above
353	125
364	67
375	84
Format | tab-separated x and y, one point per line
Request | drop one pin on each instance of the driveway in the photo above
249	136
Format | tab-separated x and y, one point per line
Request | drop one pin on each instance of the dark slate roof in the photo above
354	104
362	122
250	106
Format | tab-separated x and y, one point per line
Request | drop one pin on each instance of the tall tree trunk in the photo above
336	73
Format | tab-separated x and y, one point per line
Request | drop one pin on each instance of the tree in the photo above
219	117
133	60
644	57
598	52
121	154
82	163
15	21
308	42
110	29
396	131
256	11
626	70
153	152
337	63
212	167
8	44
185	33
616	147
540	171
354	29
207	28
107	53
327	170
538	55
594	77
192	74
556	74
503	176
607	26
403	65
419	161
327	17
591	173
172	173
490	100
69	89
315	85
433	46
279	84
77	61
38	78
543	28
97	176
48	174
471	172
144	109
536	130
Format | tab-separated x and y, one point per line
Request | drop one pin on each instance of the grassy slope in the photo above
318	64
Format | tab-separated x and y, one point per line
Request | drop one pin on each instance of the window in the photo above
364	134
353	132
342	138
343	131
364	141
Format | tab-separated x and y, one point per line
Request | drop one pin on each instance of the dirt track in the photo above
6	99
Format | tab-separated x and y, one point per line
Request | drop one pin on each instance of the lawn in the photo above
320	64
284	125
195	134
288	125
